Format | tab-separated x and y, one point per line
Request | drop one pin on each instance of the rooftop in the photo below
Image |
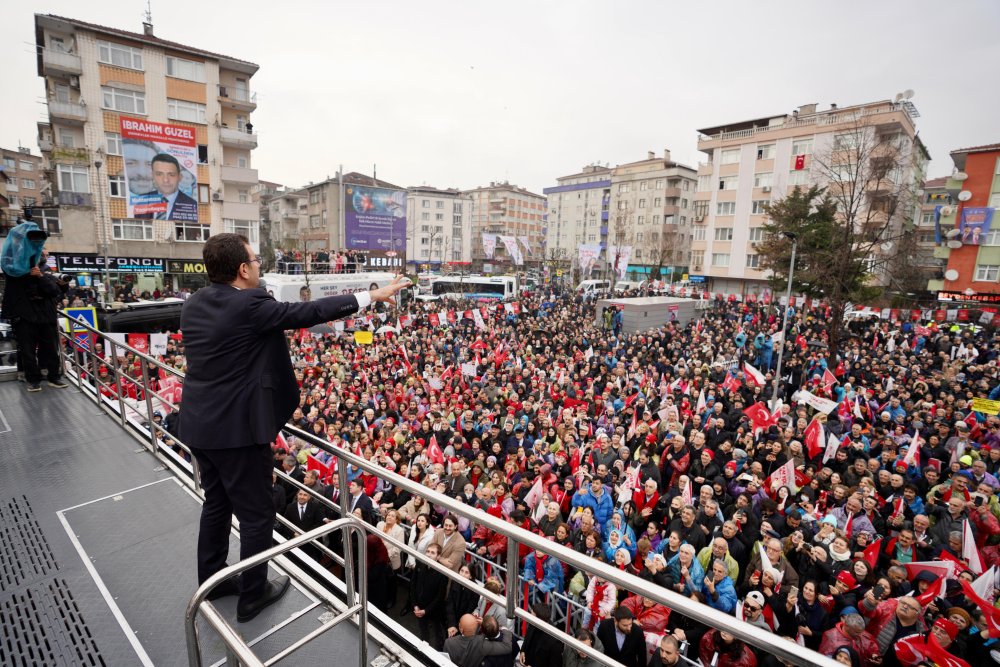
988	148
934	183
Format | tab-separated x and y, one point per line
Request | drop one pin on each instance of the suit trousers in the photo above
236	481
38	348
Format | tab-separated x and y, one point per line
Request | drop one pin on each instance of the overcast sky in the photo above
458	94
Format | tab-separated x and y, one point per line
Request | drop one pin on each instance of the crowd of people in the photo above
855	512
320	261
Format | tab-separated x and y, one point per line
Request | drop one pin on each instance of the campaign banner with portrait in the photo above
375	218
975	224
161	170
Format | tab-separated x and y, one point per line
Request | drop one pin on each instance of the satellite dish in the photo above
899	97
953	233
951	274
947	210
954	244
887	246
964	195
907	94
960	176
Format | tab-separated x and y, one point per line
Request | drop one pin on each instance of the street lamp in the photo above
784	321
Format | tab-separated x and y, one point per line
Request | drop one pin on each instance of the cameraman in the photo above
30	302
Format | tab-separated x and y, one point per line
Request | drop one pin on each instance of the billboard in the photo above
975	224
375	219
161	170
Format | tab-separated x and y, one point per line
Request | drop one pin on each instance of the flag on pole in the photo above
731	383
702	403
814	438
534	495
434	451
872	552
983	602
325	471
753	375
985	584
918	648
969	551
938	589
686	495
829	379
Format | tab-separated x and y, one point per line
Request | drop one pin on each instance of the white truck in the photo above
294	287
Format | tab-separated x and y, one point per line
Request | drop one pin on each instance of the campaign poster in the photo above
375	218
161	170
975	224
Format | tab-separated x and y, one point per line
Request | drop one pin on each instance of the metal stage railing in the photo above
134	400
236	646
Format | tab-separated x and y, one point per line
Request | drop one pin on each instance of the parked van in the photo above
630	285
593	286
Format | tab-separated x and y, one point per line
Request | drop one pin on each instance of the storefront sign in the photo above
95	264
981	297
176	266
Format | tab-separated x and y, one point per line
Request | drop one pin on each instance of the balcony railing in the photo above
72	111
75	199
239	174
57	62
239	138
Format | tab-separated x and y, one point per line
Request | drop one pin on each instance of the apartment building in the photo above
971	229
927	230
652	207
577	213
24	182
438	228
507	210
111	91
750	163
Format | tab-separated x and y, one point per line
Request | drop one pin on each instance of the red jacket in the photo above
639	498
650	619
865	645
706	649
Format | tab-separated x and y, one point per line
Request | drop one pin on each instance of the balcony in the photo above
604	216
237	98
70	112
674	193
84	199
237	138
604	230
57	62
239	175
45	145
239	211
64	155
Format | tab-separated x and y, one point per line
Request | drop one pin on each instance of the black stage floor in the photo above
97	545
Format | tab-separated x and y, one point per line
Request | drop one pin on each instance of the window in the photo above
439	204
424	241
684	220
725	208
995	201
128	101
624	187
642	203
753	261
314	196
202	154
720	259
730	156
10	163
643	185
765	152
687	185
638	253
132	230
425	216
62	93
241	122
27	202
756	234
802	146
191	112
729	183
66	139
844	172
315	222
684	203
48	220
113	143
927	218
204	193
704	183
622	205
244	196
992	238
987	272
638	237
723	233
847	141
118	55
191	231
656	219
759	207
642	220
116	186
669	220
425	203
27	183
659	184
763	179
57	44
657	202
247	228
185	69
73	178
700	210
439	217
798	177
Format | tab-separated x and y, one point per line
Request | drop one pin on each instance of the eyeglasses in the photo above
256	258
751	609
910	608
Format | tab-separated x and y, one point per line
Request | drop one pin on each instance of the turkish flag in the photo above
312	463
829	379
871	553
759	415
991	613
915	649
434	451
731	383
800	162
814	438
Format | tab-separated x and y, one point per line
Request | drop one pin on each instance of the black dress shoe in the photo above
226	588
272	593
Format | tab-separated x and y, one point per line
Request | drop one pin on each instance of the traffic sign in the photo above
86	315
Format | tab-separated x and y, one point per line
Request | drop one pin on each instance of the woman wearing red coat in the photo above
732	652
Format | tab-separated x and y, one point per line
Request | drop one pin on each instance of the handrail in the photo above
701	613
235	645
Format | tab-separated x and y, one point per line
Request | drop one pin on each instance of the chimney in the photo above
666	154
147	28
833	106
650	155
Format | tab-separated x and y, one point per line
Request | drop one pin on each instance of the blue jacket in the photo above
695	582
623	529
610	551
552	570
727	596
602	507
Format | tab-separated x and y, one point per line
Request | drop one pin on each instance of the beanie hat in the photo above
950	628
847	579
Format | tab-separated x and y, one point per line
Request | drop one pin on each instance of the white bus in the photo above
474	287
293	288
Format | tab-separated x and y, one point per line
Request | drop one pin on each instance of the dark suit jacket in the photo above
240	388
185	208
311	518
633	650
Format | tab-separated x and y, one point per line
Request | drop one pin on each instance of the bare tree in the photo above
621	233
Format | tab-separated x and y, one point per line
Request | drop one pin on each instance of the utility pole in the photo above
784	320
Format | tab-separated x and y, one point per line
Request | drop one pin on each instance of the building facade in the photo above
95	76
507	210
753	162
24	182
438	228
652	206
971	229
576	214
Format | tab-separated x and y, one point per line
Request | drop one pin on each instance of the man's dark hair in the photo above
490	626
223	254
168	158
623	614
542	610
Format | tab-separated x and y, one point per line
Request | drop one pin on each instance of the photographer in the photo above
30	302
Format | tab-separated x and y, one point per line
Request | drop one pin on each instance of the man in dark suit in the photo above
167	178
304	512
623	639
359	499
239	390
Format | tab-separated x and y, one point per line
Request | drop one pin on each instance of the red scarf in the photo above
595	605
540	568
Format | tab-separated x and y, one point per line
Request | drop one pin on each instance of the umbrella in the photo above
386	329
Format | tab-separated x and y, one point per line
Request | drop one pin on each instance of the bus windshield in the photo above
470	288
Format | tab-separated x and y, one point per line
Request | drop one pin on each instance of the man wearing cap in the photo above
753	610
850	631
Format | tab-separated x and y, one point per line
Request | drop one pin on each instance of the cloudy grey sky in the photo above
456	94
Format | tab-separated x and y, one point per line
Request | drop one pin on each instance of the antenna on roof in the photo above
147	20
